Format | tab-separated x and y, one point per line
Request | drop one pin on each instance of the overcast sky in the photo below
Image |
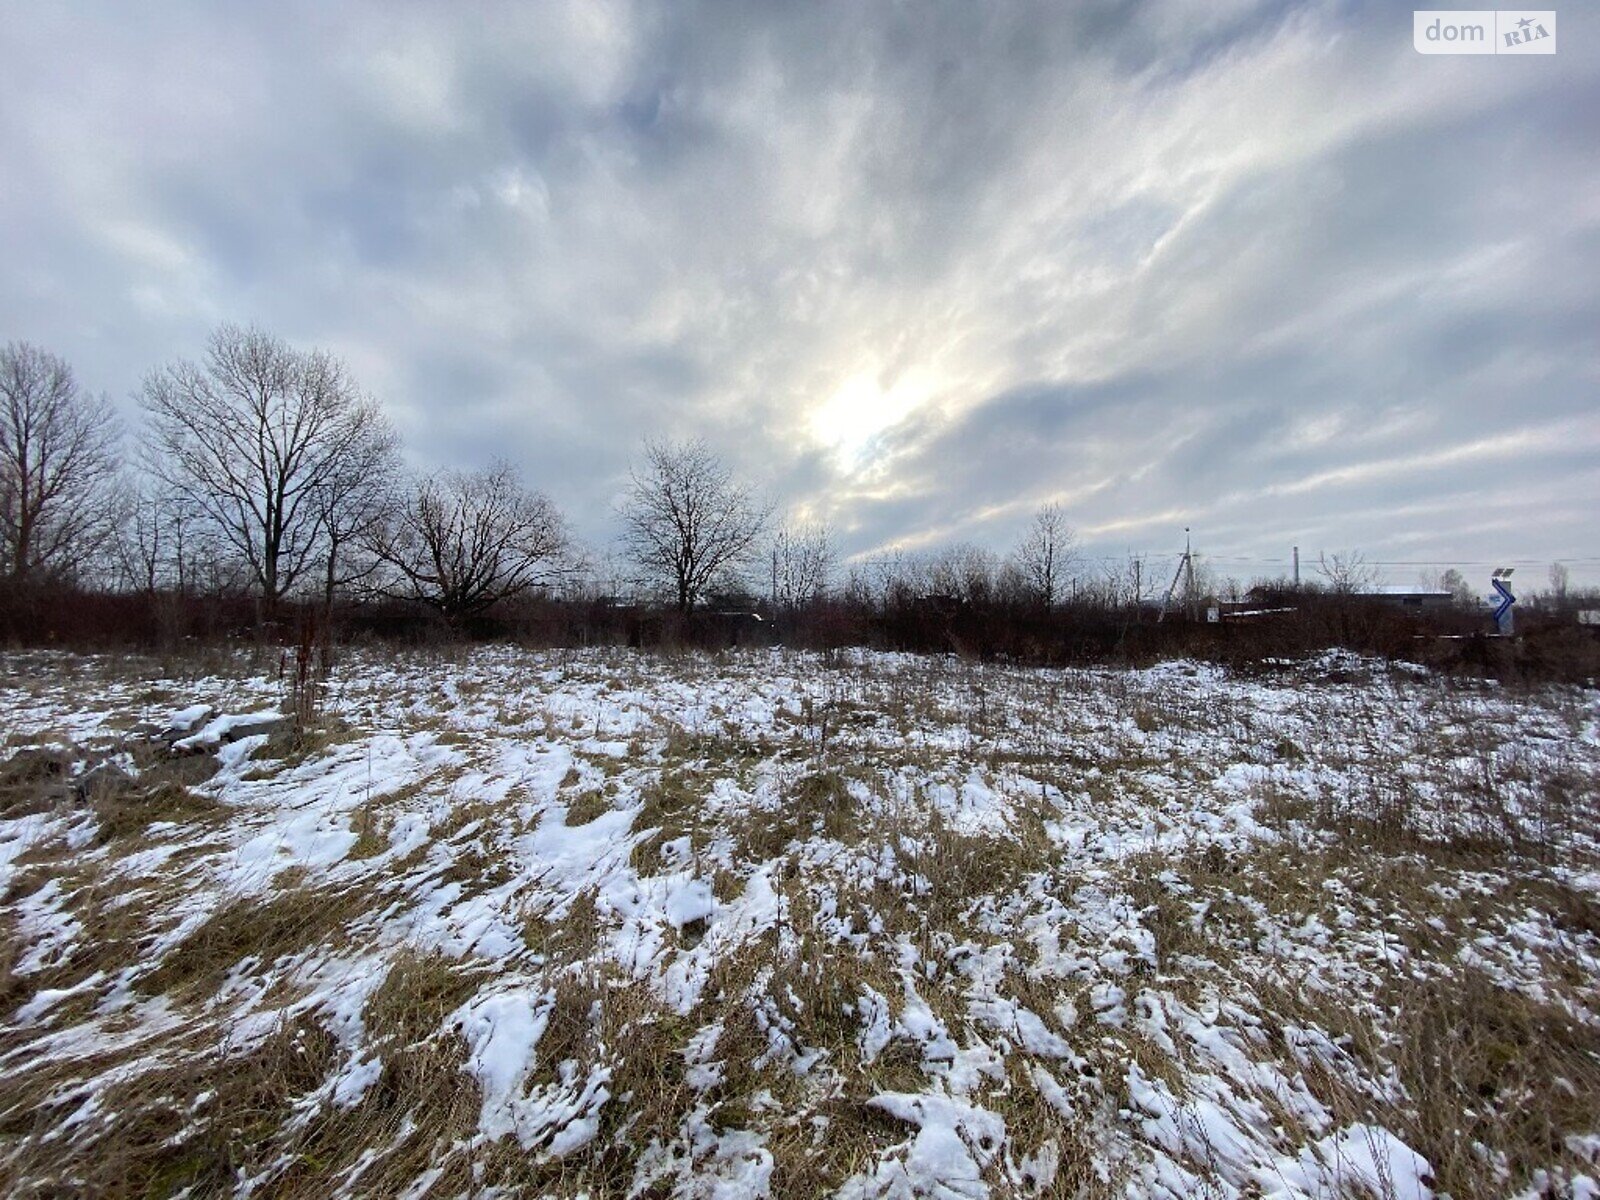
1258	268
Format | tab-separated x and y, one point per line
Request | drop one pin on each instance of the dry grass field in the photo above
604	924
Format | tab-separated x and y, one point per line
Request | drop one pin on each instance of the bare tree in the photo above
964	571
356	495
686	520
462	542
57	466
1452	581
1117	584
1048	554
256	438
895	577
1560	583
802	558
148	524
1347	572
163	544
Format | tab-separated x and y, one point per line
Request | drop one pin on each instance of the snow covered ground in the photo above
597	923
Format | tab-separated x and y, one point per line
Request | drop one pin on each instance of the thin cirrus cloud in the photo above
1255	268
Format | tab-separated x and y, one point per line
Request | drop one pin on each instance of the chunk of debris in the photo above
226	729
184	721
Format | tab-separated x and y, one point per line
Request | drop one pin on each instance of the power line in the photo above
1414	562
1240	558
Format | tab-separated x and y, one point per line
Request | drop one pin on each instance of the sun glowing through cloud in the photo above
850	421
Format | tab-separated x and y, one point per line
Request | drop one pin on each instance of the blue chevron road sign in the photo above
1502	614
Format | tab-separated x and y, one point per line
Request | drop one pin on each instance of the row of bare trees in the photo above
275	457
266	470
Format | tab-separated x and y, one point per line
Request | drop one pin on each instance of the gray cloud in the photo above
1254	267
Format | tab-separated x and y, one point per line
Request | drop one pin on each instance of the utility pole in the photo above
1188	566
1297	567
1186	563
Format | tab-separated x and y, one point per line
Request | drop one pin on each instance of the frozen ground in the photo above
772	924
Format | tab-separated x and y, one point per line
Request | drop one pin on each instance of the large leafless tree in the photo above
58	460
686	520
258	437
1047	555
461	542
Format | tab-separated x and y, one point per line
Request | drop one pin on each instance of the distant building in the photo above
1271	601
1405	596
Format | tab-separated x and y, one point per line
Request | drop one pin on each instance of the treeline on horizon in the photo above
265	496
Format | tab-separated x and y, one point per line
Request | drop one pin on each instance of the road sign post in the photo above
1502	613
